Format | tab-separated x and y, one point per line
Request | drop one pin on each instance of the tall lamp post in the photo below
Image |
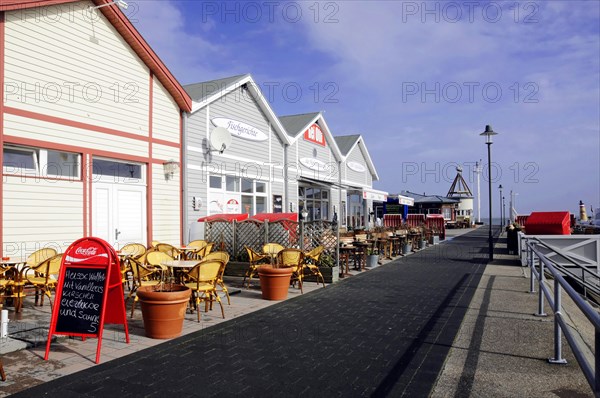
488	133
503	211
500	205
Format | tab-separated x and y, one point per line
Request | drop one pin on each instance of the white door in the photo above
119	213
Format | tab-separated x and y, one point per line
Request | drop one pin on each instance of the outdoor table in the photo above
180	265
345	253
395	249
360	255
16	268
187	251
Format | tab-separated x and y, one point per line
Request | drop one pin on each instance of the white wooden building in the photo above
90	127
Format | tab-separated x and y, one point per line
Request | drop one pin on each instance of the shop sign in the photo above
358	167
240	129
315	135
370	195
405	200
232	206
277	204
314	164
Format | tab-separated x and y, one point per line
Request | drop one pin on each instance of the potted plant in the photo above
163	309
328	268
274	281
372	257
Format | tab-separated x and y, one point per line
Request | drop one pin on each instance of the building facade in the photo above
88	150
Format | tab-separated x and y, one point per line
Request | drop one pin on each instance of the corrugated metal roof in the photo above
294	124
346	142
428	198
201	91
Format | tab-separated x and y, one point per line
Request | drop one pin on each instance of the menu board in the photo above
80	306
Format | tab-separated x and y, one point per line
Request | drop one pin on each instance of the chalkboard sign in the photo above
81	300
89	293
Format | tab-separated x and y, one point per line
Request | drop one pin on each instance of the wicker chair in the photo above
255	259
203	279
311	262
224	257
294	259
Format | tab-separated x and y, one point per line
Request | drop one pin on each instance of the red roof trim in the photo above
131	36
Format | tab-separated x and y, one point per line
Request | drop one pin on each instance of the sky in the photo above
419	81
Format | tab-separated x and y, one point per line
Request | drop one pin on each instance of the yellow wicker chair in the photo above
256	259
35	260
44	278
199	247
5	282
168	249
272	249
39	256
143	275
311	262
294	259
203	279
131	250
224	257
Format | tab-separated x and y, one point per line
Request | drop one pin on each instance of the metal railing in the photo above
590	370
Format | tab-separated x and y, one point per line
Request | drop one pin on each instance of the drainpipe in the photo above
184	177
285	179
337	232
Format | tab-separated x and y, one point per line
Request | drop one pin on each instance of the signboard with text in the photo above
89	293
315	135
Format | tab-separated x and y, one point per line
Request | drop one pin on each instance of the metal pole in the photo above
490	243
500	205
541	290
503	212
597	362
531	266
478	171
557	332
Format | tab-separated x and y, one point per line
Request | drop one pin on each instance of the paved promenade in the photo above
436	323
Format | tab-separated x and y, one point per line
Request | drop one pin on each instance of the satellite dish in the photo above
220	139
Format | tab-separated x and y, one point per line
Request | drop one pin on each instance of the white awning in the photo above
373	194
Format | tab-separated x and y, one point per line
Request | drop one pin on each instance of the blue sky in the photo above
419	81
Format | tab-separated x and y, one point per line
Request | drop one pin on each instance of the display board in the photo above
89	293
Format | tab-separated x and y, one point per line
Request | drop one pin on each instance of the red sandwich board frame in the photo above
90	281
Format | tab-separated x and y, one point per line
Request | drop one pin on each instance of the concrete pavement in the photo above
439	323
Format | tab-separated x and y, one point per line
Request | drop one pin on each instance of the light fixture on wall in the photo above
304	213
120	3
170	168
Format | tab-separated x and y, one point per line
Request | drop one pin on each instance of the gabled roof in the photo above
349	142
201	91
346	143
429	198
129	33
204	93
297	124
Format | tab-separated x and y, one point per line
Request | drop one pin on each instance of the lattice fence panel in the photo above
285	233
221	233
251	234
320	233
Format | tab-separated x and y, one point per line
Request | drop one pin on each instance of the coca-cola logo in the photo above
88	251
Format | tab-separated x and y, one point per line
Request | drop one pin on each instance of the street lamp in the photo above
488	133
500	204
503	212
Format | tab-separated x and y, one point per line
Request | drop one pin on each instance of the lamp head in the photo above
488	133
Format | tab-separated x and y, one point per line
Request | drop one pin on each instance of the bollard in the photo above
4	324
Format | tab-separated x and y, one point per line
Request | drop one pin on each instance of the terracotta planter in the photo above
274	282
163	312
